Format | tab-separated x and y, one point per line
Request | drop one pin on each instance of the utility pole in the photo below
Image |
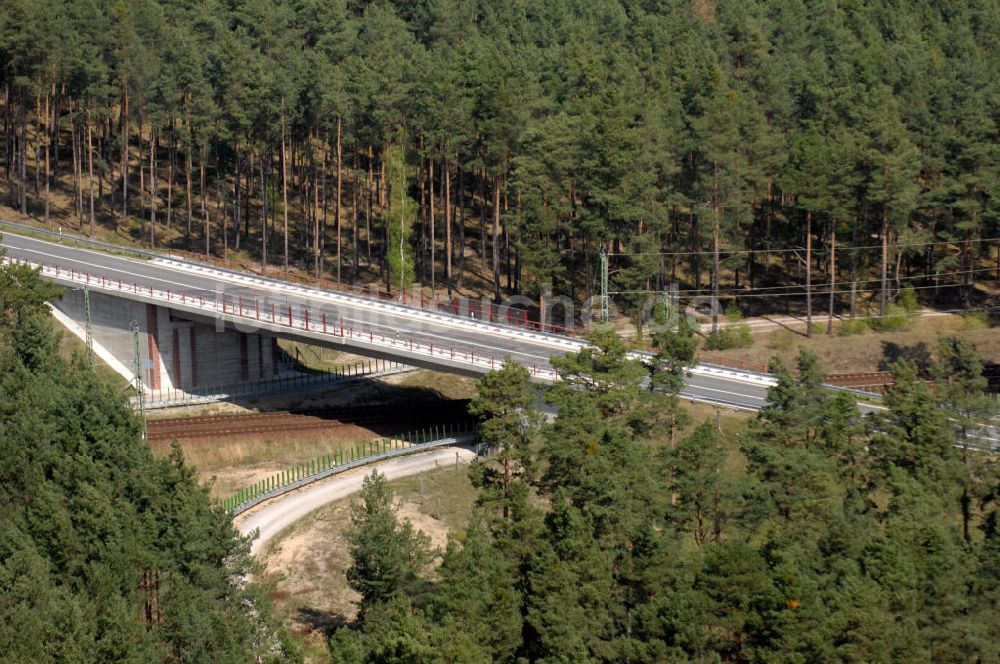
90	335
140	397
605	315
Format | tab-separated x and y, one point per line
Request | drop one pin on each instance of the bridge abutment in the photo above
176	352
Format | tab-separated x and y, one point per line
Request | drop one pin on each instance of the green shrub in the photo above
852	326
907	300
976	320
895	320
733	336
743	335
733	313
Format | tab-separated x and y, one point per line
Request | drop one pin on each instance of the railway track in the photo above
414	415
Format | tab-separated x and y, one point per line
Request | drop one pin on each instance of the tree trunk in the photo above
77	172
124	168
38	145
152	188
715	253
461	226
247	200
237	196
284	184
7	134
368	214
317	256
422	245
23	169
809	308
484	192
170	175
204	206
90	173
355	254
188	169
383	264
430	167
833	276
339	194
496	238
715	272
263	216
142	177
326	208
56	114
447	225
48	139
884	296
221	213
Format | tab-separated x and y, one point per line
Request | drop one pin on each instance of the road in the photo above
272	517
395	330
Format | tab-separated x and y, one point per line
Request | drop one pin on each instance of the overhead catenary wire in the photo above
825	291
750	291
815	252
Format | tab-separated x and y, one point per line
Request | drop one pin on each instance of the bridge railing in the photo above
318	324
338	461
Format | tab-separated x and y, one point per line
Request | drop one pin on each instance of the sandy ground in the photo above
870	351
308	565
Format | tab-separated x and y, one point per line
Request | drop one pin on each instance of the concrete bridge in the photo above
204	325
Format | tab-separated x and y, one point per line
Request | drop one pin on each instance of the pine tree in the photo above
507	404
387	555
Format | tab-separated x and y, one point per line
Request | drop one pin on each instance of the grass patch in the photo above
781	340
446	495
214	456
448	386
852	326
975	320
316	358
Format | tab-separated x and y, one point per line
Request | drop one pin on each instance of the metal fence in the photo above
359	454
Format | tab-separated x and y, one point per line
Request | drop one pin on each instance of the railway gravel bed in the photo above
410	416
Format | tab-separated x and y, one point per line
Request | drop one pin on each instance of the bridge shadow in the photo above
919	354
385	409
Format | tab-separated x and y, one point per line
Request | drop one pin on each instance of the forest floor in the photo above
870	350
